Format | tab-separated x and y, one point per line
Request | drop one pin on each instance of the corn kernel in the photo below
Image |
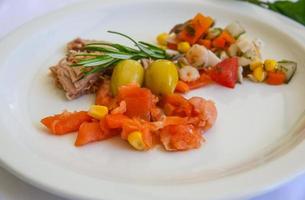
135	139
163	47
256	64
97	111
183	47
270	65
162	39
259	74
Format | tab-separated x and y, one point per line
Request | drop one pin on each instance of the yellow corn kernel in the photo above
163	47
183	47
270	65
162	39
135	139
97	111
259	74
256	64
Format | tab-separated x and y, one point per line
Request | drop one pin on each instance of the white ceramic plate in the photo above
257	142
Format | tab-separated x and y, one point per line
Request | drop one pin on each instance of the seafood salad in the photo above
139	91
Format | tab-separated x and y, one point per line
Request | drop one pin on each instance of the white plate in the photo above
256	144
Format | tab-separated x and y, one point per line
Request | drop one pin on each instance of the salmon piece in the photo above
139	101
115	121
93	131
174	120
180	137
176	104
65	122
104	96
146	128
207	111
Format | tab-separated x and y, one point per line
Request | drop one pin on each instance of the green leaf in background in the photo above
294	10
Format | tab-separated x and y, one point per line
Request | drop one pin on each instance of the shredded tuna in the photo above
72	79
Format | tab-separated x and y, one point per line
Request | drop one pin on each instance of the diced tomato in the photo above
225	72
139	101
180	137
65	122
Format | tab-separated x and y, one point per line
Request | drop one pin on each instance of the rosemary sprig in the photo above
111	53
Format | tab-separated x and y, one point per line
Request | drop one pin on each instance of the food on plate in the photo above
139	90
145	121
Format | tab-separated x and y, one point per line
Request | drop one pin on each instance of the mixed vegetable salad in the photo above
139	91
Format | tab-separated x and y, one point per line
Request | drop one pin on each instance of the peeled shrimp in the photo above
199	56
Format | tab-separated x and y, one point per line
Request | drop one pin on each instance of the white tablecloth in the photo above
13	13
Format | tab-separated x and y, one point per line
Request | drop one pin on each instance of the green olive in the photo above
161	77
125	72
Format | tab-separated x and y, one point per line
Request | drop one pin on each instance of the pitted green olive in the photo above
125	72
161	77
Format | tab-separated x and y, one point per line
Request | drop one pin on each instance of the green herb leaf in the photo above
111	53
293	10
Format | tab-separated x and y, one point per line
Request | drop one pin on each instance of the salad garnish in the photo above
139	90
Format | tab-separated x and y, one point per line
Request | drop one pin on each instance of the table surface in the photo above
14	13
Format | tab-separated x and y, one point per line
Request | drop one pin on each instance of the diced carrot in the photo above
228	37
104	96
202	81
219	42
65	122
180	137
206	43
115	120
224	40
276	78
195	29
182	87
139	101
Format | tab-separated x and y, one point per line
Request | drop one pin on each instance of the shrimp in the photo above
199	56
189	73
